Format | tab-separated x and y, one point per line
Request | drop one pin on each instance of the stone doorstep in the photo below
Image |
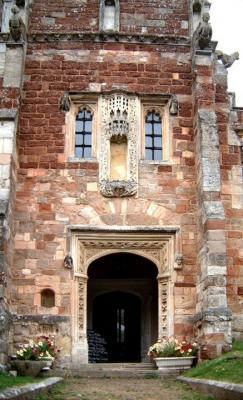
219	390
29	391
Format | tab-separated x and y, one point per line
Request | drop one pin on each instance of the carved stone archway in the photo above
161	246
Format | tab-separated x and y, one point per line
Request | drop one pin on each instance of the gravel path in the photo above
122	389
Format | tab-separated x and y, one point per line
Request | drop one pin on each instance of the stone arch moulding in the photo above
159	245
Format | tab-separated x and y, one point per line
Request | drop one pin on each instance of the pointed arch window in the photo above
83	134
109	15
153	136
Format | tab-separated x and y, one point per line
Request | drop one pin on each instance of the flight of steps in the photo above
109	370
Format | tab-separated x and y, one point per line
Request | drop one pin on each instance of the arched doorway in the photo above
123	305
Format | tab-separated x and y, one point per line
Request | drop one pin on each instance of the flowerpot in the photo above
173	365
28	367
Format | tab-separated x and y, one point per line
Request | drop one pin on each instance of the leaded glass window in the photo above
83	135
153	136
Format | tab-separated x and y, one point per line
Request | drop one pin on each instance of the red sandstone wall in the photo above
53	193
140	16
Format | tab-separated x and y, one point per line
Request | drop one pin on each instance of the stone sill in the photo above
81	160
155	162
219	390
29	391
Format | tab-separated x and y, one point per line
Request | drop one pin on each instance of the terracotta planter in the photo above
28	367
173	365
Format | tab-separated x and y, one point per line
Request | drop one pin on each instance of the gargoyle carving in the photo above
227	59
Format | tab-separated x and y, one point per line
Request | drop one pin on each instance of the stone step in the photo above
122	373
108	370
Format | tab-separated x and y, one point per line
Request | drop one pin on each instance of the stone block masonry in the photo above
196	190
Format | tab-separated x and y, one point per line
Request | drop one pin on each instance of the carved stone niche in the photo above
118	171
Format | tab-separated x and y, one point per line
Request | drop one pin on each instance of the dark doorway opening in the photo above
117	318
122	308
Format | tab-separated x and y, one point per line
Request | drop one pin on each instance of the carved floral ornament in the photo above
160	252
119	124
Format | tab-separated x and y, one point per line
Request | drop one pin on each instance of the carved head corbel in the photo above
68	261
178	260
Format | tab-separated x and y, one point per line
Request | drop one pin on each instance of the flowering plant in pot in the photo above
42	349
32	357
173	355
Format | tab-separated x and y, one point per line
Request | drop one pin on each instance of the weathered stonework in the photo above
61	215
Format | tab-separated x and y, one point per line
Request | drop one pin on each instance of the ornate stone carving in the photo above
118	188
119	123
227	60
164	257
174	106
108	37
68	261
16	25
163	298
65	102
155	250
178	261
3	279
204	32
82	285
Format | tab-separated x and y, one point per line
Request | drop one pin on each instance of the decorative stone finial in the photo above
16	25
204	33
68	261
227	59
65	102
174	107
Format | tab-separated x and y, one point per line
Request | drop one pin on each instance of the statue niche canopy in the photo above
118	173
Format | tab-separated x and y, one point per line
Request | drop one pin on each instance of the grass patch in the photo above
7	381
226	368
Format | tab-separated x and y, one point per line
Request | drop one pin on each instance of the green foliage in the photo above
227	368
7	381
